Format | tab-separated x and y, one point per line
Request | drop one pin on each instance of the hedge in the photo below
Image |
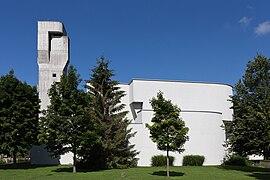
160	160
193	160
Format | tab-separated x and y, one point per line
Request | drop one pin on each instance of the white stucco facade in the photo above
204	107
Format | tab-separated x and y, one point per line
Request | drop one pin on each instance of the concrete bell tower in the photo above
53	56
53	60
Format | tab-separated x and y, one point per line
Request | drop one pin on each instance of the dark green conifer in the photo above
114	150
249	132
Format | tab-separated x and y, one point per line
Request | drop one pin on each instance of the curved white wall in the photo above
188	95
204	107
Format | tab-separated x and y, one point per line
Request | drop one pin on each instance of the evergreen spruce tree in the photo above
249	132
114	150
66	125
19	109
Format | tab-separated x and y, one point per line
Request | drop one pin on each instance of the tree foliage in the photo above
66	125
114	150
168	129
19	109
249	132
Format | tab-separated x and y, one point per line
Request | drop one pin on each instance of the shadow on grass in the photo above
63	169
164	173
245	168
70	169
262	176
22	166
256	172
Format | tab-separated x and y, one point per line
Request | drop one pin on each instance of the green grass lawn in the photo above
23	171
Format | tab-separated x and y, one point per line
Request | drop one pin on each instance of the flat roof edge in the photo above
180	81
57	21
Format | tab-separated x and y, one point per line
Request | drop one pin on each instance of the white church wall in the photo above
205	138
204	107
66	158
188	95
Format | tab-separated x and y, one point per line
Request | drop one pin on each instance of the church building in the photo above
204	106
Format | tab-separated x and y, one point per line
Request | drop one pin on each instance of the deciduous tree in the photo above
168	129
19	109
66	125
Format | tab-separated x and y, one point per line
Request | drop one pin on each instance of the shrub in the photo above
160	160
236	160
193	160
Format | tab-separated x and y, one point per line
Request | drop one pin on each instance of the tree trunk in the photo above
74	163
168	164
14	157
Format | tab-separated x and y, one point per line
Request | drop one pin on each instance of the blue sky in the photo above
186	40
